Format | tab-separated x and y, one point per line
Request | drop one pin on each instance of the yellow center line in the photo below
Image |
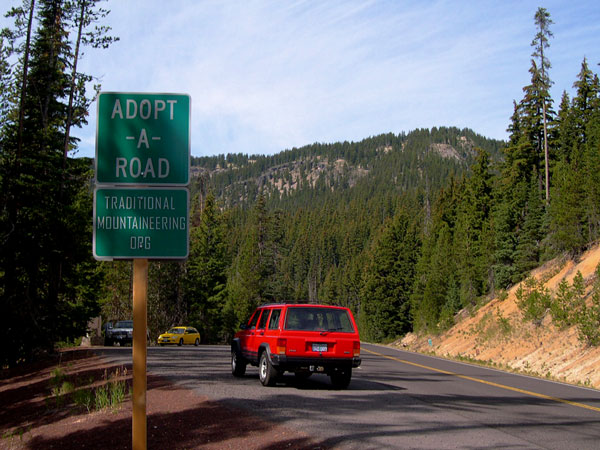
489	383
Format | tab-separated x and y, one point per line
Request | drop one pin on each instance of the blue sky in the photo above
269	75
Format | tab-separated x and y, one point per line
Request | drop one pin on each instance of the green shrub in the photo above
118	389
61	392
84	398
59	387
588	318
102	397
58	376
503	323
502	295
534	299
568	302
112	392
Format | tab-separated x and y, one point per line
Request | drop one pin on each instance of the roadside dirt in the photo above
177	418
497	335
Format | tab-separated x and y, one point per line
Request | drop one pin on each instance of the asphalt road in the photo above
397	400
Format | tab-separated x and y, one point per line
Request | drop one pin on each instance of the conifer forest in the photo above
406	229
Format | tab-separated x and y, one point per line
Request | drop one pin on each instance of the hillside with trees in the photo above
546	326
408	230
48	280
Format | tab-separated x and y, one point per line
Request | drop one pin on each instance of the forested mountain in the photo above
380	165
307	217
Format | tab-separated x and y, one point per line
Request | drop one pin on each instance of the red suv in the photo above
298	338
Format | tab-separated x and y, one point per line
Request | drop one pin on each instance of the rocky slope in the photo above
497	335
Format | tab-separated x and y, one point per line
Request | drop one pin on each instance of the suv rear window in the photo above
274	322
318	319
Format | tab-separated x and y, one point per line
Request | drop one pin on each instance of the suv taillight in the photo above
357	348
281	345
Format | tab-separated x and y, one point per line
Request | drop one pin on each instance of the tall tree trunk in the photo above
547	170
73	80
24	83
546	164
543	22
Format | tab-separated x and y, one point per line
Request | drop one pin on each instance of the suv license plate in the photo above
319	348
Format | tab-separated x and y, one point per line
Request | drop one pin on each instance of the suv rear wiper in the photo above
323	333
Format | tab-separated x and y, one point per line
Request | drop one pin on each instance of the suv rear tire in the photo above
341	378
238	365
266	372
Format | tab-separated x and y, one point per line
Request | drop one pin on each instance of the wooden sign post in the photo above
140	302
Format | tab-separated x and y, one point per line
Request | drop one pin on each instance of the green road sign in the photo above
148	223
143	139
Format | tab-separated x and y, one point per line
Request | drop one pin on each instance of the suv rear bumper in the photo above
283	362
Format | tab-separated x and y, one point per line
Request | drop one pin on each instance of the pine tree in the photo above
529	237
584	101
505	242
522	170
592	164
206	273
84	14
565	129
116	296
436	268
535	112
44	197
440	271
574	219
253	266
471	229
166	296
540	43
567	211
385	298
30	175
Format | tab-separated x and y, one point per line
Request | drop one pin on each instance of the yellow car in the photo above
180	336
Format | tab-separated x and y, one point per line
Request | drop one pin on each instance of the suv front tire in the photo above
266	372
238	365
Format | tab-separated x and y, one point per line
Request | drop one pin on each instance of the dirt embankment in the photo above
497	334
